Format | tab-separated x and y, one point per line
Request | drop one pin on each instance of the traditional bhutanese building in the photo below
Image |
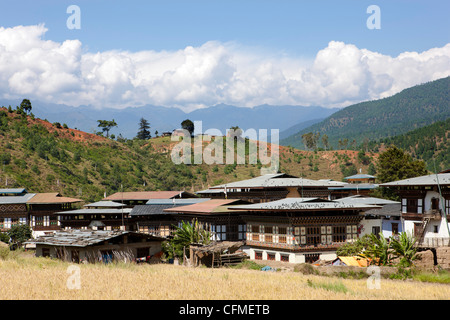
271	187
43	208
299	230
17	206
425	206
141	197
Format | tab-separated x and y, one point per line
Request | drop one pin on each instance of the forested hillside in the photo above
412	108
430	143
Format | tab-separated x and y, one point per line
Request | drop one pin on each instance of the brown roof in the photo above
211	206
143	195
52	198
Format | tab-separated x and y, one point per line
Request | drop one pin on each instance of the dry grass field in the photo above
24	277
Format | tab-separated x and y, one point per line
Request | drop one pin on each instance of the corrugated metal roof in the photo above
144	195
277	180
391	210
361	176
429	180
303	204
155	209
95	211
355	186
16	199
110	204
367	200
13	190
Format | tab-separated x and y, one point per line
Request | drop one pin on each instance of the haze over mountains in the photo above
220	117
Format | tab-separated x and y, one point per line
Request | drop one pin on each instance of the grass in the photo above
25	277
333	286
442	276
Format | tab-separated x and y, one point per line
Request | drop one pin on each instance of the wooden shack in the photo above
217	254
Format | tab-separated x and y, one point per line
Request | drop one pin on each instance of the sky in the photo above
195	54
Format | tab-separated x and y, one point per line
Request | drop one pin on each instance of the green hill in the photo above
45	157
429	143
372	120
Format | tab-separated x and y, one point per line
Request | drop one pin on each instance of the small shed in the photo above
217	254
97	245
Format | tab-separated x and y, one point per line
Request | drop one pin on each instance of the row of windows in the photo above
297	231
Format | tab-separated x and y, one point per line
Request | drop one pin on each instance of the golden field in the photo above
25	277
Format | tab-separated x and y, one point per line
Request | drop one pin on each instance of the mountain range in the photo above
163	119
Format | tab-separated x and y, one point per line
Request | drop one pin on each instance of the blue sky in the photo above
298	27
304	32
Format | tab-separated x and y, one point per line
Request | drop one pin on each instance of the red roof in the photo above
44	198
210	206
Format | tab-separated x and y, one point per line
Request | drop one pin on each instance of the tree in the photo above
395	164
188	125
235	132
144	132
20	233
325	142
310	140
106	125
26	105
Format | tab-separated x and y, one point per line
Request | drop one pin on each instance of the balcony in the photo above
433	214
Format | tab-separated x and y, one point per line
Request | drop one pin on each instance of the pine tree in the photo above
144	130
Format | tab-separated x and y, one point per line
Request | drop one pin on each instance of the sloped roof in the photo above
207	207
274	181
110	204
367	200
391	210
84	238
429	180
13	191
303	204
361	176
54	197
95	211
16	199
146	195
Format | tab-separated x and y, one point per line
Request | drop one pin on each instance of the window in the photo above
411	205
436	229
271	256
242	229
7	223
258	255
313	235
339	233
284	258
395	228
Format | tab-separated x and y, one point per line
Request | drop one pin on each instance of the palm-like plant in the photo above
186	235
378	250
405	249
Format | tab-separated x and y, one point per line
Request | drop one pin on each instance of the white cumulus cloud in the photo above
212	73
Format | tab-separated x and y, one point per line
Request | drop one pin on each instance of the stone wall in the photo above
426	260
443	257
